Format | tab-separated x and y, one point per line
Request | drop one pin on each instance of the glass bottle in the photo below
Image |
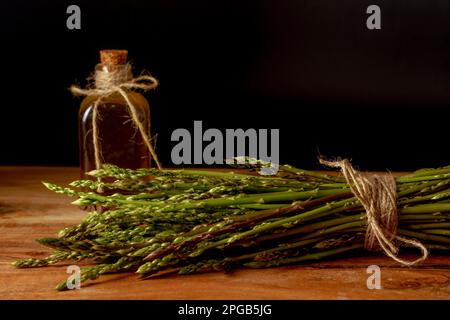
120	141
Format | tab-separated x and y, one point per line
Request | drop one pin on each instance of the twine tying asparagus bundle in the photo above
118	80
378	196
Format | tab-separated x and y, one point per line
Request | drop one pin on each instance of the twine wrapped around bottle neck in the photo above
378	195
117	80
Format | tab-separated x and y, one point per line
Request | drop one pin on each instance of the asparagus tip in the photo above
62	286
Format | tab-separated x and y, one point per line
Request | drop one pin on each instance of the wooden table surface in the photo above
29	211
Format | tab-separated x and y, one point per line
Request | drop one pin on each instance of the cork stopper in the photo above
112	58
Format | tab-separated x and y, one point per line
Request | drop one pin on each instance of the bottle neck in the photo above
108	76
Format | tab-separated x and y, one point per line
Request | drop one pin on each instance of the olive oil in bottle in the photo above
118	137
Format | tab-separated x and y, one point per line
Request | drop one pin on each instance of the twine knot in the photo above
378	196
119	80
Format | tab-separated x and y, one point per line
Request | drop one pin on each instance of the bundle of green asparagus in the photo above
156	222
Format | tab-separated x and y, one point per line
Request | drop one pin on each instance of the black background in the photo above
310	68
353	309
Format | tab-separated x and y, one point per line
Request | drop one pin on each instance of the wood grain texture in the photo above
29	211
